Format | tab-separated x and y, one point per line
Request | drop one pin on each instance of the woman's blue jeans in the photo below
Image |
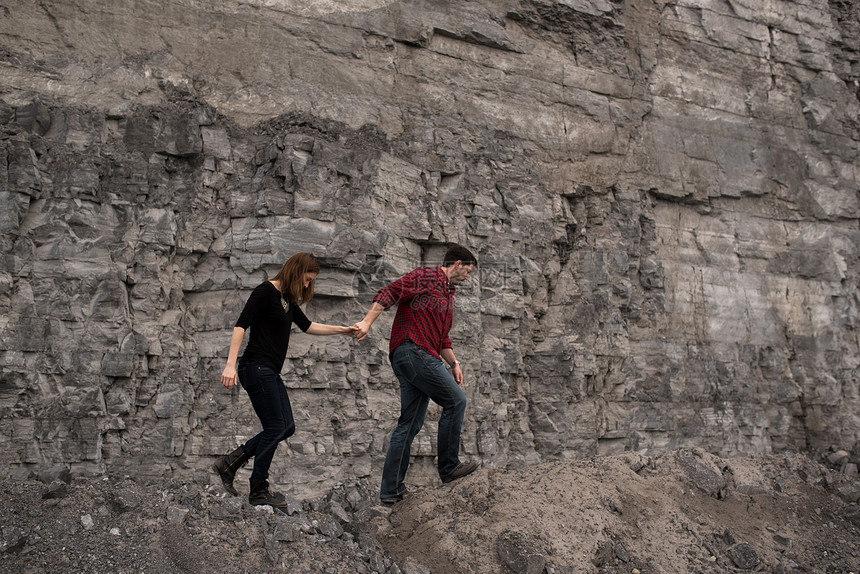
270	401
422	377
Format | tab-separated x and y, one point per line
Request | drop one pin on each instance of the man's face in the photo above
461	273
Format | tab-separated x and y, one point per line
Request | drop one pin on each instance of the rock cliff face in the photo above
663	198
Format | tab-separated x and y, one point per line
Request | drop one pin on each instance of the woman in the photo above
269	313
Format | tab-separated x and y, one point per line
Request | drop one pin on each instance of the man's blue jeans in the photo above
422	377
270	401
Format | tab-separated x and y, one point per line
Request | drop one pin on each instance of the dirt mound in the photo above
684	511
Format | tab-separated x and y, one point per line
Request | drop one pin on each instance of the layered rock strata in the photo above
663	198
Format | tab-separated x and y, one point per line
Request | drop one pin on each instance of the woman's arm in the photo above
321	329
229	376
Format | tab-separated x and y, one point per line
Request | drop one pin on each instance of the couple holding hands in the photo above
418	350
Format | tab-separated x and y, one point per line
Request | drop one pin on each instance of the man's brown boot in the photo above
461	471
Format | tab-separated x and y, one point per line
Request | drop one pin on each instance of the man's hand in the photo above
360	329
458	374
363	326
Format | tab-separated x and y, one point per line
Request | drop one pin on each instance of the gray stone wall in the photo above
663	198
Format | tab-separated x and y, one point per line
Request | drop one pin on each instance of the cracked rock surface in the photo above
663	198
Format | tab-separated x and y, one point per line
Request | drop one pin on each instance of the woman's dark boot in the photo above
260	495
226	467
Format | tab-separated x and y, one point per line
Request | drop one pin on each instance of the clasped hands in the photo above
360	329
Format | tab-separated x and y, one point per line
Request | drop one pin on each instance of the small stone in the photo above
330	527
838	457
849	492
229	508
354	498
87	521
13	540
412	566
339	512
125	499
519	552
703	475
293	506
286	531
176	515
743	556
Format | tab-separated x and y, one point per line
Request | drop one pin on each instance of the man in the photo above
419	343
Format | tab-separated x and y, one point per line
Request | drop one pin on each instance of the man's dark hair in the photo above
458	253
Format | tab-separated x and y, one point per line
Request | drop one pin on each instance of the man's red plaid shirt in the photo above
425	309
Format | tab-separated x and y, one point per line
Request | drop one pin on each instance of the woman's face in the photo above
308	277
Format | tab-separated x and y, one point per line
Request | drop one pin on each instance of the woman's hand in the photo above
229	377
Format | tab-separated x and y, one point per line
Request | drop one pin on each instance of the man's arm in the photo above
449	357
410	285
363	326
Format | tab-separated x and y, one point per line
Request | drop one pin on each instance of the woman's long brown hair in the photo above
291	278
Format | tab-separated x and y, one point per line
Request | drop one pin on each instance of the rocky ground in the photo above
685	511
